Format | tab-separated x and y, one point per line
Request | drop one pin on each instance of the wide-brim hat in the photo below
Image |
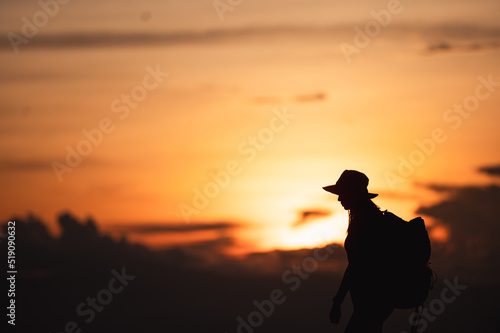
353	183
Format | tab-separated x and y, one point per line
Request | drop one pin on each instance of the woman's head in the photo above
351	189
347	201
354	202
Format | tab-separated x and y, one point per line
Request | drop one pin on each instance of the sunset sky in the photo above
241	116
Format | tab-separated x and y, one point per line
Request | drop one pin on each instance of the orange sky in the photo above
217	110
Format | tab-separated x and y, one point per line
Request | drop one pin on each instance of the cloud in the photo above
172	285
308	98
458	31
20	165
472	216
172	228
459	38
442	47
306	216
120	39
36	165
491	170
473	36
298	98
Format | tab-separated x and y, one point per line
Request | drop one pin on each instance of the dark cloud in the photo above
491	170
180	290
148	228
442	47
118	39
308	98
36	165
472	216
309	215
480	35
439	47
298	98
459	38
20	165
458	31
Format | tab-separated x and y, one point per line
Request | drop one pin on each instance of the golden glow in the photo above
440	234
369	114
318	232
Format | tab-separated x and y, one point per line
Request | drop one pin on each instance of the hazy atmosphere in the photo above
186	143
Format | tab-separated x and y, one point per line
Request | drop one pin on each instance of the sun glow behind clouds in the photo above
194	122
318	232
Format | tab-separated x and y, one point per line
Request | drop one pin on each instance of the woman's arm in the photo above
344	287
335	312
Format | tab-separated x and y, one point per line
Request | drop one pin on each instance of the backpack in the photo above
411	251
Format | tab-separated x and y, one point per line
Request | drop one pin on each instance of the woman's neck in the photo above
364	211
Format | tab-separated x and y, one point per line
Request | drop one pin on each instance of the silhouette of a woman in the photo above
366	277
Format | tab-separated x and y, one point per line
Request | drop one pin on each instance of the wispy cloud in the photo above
491	170
173	228
35	165
308	98
297	98
119	39
446	47
471	215
489	37
24	165
306	216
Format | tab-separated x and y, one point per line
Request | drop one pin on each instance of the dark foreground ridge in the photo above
84	280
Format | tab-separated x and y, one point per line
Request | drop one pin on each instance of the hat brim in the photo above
335	190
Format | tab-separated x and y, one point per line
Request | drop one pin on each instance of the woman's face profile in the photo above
346	201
